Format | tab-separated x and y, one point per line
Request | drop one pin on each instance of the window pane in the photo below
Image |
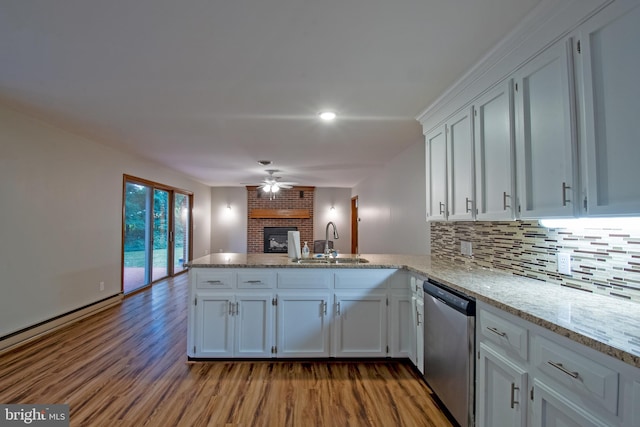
181	232
160	234
136	237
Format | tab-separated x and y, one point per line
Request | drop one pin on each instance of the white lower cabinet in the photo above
503	401
360	325
233	326
419	336
400	321
303	324
299	313
563	383
551	409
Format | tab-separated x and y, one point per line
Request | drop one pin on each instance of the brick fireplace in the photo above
290	208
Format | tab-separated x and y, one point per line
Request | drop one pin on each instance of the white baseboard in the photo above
16	340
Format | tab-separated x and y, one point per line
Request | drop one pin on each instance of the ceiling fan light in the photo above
275	188
266	188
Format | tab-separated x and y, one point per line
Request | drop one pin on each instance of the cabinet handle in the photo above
505	196
467	201
237	308
253	282
497	332
441	208
417	317
324	307
338	308
559	366
215	282
513	395
230	308
565	187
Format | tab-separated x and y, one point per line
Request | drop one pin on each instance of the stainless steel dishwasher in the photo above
449	347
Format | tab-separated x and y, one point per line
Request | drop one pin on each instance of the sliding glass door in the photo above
156	232
181	231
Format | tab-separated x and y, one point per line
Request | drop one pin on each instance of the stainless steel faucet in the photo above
326	237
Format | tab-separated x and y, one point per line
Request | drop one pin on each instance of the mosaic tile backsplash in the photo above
603	261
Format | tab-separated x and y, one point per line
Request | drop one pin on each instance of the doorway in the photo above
354	225
156	232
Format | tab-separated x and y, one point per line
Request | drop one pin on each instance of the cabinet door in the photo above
460	166
495	154
609	60
502	390
545	138
419	335
360	325
214	326
253	325
303	327
436	174
401	329
550	409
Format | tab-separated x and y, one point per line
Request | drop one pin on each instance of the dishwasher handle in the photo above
452	298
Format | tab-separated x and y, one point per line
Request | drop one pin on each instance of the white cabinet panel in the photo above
460	166
502	401
551	409
253	325
545	138
401	329
214	326
419	337
609	60
436	174
303	329
495	154
360	325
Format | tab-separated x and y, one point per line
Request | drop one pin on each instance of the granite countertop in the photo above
604	323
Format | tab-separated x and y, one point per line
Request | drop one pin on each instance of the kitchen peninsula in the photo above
606	324
542	351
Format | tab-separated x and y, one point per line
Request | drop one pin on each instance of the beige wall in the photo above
392	206
60	221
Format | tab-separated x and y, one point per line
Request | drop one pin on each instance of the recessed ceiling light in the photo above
264	162
327	116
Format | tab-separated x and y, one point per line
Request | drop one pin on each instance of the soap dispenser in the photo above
305	250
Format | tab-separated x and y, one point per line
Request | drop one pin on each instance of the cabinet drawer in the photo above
579	374
256	279
304	279
215	279
507	335
362	279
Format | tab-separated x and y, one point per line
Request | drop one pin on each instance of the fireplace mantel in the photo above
280	213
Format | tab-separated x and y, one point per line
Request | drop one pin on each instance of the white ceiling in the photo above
209	87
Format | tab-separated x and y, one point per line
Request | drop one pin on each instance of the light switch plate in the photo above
564	263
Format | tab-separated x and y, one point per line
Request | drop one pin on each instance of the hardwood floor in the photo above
127	366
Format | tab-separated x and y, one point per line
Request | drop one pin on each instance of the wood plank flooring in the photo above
127	366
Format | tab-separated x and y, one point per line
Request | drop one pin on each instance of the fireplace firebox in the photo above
276	239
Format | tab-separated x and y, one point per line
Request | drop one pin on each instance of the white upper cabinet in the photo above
461	204
545	137
436	174
495	154
608	62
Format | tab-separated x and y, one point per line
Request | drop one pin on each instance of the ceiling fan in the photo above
272	184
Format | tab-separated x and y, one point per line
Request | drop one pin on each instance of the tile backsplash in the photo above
603	261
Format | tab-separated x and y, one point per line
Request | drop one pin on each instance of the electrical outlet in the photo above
465	248
101	286
564	263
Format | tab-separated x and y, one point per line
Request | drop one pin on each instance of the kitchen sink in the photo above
332	261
